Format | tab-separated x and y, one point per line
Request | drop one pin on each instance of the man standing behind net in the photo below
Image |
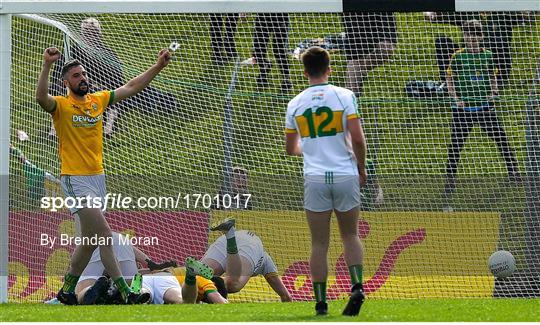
222	37
472	83
276	26
323	126
102	64
371	41
78	121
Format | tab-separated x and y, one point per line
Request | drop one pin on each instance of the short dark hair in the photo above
70	64
316	61
472	27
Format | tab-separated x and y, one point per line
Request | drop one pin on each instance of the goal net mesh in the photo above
213	122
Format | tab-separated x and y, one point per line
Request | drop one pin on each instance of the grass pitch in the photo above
449	310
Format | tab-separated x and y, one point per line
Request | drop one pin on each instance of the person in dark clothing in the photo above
239	197
472	83
498	32
371	40
275	26
222	30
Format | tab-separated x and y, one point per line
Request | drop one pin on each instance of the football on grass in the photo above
502	264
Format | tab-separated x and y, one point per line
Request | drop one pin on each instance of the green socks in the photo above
190	277
122	287
320	291
191	280
356	273
70	282
231	241
231	246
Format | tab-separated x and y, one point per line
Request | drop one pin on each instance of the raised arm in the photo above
274	280
140	82
44	99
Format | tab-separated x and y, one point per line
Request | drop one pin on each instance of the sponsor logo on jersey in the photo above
85	120
319	96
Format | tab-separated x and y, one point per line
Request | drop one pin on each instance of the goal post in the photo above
212	110
5	71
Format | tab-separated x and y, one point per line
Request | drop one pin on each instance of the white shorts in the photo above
86	187
95	269
249	246
157	284
124	255
341	196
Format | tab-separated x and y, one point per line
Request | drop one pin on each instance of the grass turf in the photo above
472	310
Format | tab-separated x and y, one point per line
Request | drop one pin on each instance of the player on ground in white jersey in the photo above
323	126
241	255
159	287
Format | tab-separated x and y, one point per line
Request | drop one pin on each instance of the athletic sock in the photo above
231	242
70	282
191	280
320	291
356	273
122	287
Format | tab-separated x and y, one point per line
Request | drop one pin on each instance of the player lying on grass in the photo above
94	288
241	255
187	285
127	256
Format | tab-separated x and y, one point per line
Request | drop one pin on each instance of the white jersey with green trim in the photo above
319	115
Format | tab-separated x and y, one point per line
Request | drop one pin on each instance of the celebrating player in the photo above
321	124
78	121
241	255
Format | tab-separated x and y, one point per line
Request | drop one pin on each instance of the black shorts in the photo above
364	31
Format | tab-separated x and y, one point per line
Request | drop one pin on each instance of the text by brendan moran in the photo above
67	240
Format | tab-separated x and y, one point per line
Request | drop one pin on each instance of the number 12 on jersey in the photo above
324	122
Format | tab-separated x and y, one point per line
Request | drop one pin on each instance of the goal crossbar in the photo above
255	6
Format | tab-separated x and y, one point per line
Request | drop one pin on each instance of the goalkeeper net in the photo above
212	122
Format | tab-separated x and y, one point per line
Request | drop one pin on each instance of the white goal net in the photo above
449	183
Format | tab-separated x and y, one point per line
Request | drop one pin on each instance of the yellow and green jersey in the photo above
472	73
204	286
79	127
